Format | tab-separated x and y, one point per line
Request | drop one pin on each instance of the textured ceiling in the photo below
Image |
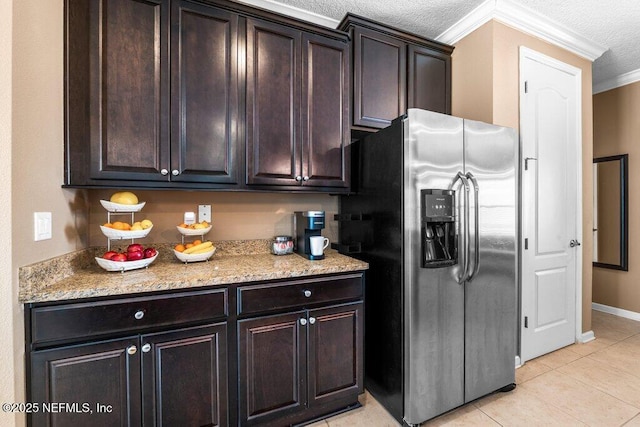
615	25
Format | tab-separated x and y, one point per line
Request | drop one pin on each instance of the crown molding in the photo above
525	20
292	11
616	82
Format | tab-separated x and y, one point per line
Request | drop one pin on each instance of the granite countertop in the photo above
77	275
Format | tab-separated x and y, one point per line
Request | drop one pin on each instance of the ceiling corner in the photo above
621	80
527	21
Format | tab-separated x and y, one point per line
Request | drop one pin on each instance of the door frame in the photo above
528	53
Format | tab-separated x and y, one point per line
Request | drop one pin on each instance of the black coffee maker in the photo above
307	224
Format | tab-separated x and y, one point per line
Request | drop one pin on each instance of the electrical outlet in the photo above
204	213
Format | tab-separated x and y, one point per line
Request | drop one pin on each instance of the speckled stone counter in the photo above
77	275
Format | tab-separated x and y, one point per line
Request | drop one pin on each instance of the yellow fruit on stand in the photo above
124	198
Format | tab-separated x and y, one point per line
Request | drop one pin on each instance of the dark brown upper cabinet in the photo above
203	95
394	70
297	117
152	92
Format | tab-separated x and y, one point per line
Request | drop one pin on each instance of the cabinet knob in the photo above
305	178
307	293
299	178
175	172
303	322
312	320
139	314
164	172
146	348
132	350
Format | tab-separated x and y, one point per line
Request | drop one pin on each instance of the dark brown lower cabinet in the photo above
169	378
299	365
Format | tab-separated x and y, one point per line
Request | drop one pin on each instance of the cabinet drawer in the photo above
299	293
67	322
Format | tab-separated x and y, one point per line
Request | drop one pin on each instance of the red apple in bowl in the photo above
135	255
109	254
119	257
150	252
135	247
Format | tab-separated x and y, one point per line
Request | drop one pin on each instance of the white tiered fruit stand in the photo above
190	232
117	209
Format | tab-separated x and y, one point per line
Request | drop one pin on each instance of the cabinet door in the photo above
184	376
429	85
272	367
325	119
273	103
204	94
379	78
335	353
129	89
102	378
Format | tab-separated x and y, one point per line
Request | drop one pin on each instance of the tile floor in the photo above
592	384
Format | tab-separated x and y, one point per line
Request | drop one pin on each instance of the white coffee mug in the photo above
318	244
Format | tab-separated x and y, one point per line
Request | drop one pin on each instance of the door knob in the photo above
132	350
164	172
299	178
574	243
146	348
303	322
175	172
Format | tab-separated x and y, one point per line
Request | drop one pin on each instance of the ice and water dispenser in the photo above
438	231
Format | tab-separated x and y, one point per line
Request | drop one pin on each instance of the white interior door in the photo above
550	125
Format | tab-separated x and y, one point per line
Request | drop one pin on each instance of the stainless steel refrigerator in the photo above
434	212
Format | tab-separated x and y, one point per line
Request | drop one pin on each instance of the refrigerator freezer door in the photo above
490	295
433	300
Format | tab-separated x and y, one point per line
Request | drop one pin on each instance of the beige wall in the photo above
500	45
617	131
234	215
8	297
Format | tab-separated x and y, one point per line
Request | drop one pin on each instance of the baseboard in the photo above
616	311
518	362
586	337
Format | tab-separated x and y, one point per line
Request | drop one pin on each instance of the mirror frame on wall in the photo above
624	214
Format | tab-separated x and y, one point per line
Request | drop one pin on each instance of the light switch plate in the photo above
41	226
204	213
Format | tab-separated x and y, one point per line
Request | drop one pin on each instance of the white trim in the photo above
616	82
616	311
526	20
295	12
586	337
526	52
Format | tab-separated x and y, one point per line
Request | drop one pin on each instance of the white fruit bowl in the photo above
193	231
194	257
114	234
109	265
119	207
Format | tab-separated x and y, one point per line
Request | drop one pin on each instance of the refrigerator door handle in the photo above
465	236
476	234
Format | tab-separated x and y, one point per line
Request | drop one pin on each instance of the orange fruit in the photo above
126	226
179	247
183	225
188	245
118	225
197	242
108	225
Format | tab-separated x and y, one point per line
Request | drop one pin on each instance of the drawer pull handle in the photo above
132	350
307	293
139	314
146	348
312	320
303	322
